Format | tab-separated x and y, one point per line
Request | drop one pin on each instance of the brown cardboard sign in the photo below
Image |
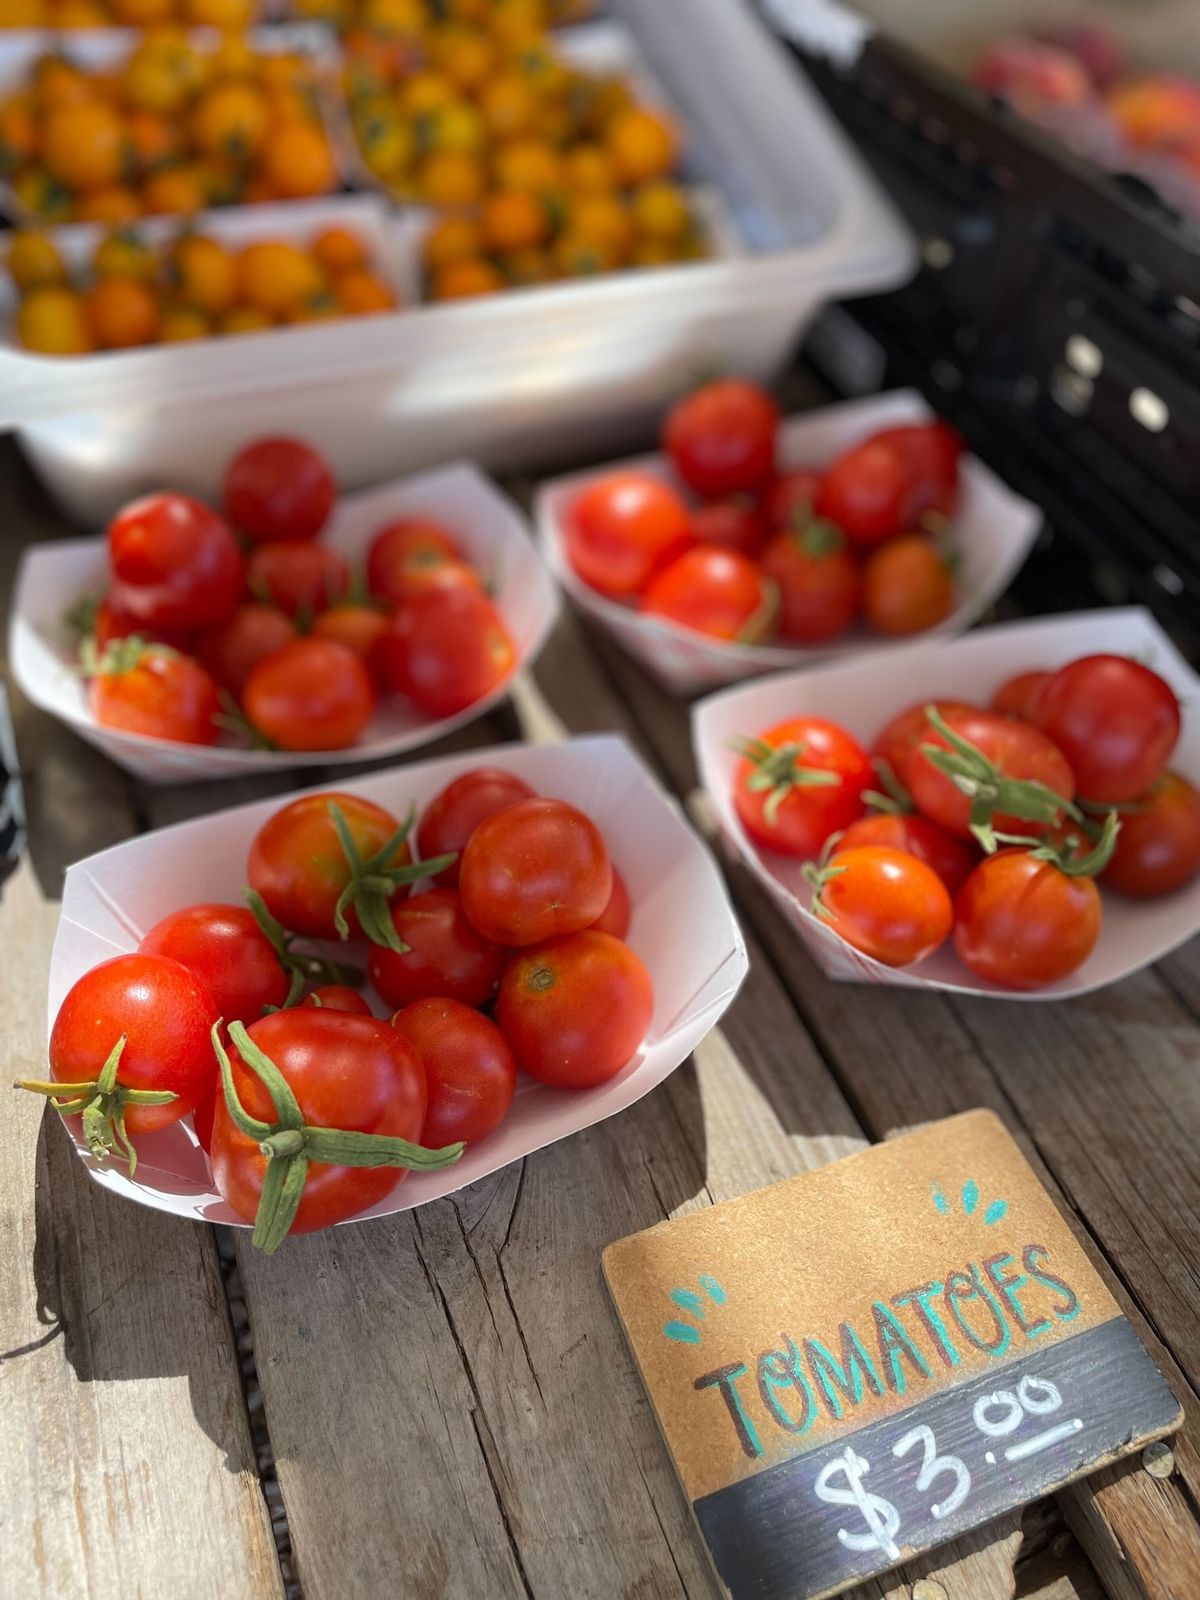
860	1363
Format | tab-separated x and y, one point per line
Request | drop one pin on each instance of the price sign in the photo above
854	1366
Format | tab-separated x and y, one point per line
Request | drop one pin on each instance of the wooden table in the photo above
440	1403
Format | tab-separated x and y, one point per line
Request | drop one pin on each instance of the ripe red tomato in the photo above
736	524
885	903
311	695
866	492
931	451
338	997
202	1121
156	692
424	575
469	1069
1020	696
788	502
445	651
1115	721
400	545
906	730
907	586
719	593
279	489
622	528
819	583
234	647
1018	755
446	955
224	947
359	628
175	563
799	782
575	1009
1158	847
1024	923
721	439
949	856
301	579
112	623
452	816
534	870
615	917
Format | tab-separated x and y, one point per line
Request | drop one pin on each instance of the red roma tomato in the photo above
533	871
279	489
234	647
799	782
227	950
452	816
731	525
719	593
576	1009
175	563
788	502
1018	754
907	586
445	651
1114	720
1020	696
819	583
469	1069
1158	847
300	579
886	903
949	856
1024	923
908	728
397	546
311	695
155	692
866	493
359	628
615	917
622	528
445	956
931	450
337	997
721	439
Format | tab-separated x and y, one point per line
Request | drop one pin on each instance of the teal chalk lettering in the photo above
895	1346
847	1375
779	1371
1069	1308
970	1196
725	1379
969	1286
920	1298
1008	1285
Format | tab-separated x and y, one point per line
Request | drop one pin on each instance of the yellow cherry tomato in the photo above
51	321
123	254
34	260
182	324
204	273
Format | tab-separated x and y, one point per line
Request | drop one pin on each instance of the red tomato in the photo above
866	492
228	952
338	997
535	870
1019	696
279	489
788	502
818	580
445	651
576	1009
1024	923
622	528
202	1121
931	451
719	593
311	695
1017	754
112	623
721	439
949	856
425	574
445	955
397	546
885	903
907	586
469	1069
782	800
175	563
234	647
1115	721
359	628
452	816
901	736
615	917
1158	847
301	579
731	525
155	692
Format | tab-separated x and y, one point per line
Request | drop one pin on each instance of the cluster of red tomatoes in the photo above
311	1109
796	555
247	623
992	824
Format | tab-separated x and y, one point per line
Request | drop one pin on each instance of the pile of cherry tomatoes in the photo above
509	958
246	625
987	826
797	555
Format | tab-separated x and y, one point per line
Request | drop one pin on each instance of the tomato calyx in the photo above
987	788
301	966
119	656
289	1143
779	770
892	798
761	621
1065	852
372	882
234	720
101	1101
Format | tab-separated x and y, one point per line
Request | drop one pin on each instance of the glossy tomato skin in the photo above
1158	847
1114	720
358	628
396	547
945	853
347	1072
447	955
1020	695
616	916
452	816
736	524
112	623
228	952
231	650
1022	923
907	586
866	493
899	737
886	903
789	499
164	695
338	997
314	694
175	563
931	451
807	815
534	871
719	593
279	489
575	1009
1018	750
166	1015
301	579
470	1070
721	439
422	576
445	651
820	587
622	528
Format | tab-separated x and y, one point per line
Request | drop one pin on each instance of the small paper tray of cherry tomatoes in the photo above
110	900
56	577
863	695
992	532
